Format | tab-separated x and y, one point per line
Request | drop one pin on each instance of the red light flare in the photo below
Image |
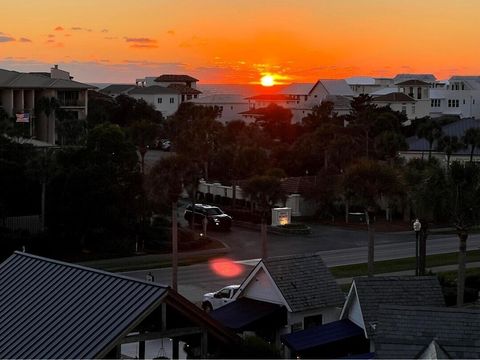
225	267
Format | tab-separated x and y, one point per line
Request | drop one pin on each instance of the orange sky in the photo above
226	41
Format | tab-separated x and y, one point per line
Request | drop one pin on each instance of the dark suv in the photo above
216	218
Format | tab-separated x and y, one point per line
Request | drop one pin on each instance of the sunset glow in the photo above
267	80
223	42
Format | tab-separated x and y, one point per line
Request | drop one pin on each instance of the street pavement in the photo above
336	246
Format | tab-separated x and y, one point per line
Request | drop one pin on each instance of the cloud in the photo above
58	28
140	40
51	36
50	41
67	35
143	46
104	31
25	40
141	43
110	37
4	39
171	32
76	28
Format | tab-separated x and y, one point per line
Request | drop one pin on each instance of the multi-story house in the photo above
300	98
20	94
230	105
166	92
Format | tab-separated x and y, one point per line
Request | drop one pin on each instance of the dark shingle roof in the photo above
298	184
117	88
175	78
304	281
405	332
393	97
51	309
153	90
396	290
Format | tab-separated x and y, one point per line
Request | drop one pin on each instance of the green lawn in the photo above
388	266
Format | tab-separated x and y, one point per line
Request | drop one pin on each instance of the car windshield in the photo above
214	211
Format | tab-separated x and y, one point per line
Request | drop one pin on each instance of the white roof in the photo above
430	78
337	87
221	99
297	89
384	91
473	82
360	80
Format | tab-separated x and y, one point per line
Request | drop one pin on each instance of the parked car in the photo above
216	218
214	300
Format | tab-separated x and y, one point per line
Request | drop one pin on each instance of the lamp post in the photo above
417	226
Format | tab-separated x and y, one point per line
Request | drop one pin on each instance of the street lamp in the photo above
417	226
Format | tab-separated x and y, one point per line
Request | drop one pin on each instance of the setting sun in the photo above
267	80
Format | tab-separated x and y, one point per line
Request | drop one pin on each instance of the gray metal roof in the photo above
405	332
17	80
395	290
117	88
50	309
153	90
457	128
304	281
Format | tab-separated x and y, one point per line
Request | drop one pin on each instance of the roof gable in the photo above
51	309
400	290
304	281
405	332
337	87
393	97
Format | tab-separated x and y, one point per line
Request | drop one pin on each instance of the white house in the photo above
282	295
164	99
20	92
300	98
398	101
230	105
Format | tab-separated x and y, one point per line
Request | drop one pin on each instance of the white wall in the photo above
165	107
262	288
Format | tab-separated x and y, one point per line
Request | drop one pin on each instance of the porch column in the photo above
175	352
204	344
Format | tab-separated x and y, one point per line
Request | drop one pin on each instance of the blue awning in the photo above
247	314
322	335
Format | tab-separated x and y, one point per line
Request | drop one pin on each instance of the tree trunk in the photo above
174	246
346	211
44	190
423	251
471	153
234	193
263	231
462	256
143	151
371	244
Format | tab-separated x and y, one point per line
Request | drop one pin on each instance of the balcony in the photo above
71	103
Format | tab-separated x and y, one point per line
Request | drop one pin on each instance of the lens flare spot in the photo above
225	267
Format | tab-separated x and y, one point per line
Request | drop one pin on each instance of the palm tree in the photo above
464	191
265	191
48	106
450	145
431	131
165	185
367	181
143	133
472	139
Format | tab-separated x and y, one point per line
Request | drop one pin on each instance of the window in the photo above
463	101
312	321
419	93
413	109
449	103
463	86
404	109
231	107
172	100
457	103
159	100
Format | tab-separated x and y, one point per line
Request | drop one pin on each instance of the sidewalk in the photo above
437	269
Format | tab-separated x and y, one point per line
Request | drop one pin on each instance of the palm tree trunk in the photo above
263	231
174	246
234	193
471	153
347	209
462	256
371	244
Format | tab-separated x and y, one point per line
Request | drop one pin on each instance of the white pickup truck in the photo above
214	300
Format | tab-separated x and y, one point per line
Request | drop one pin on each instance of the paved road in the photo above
198	279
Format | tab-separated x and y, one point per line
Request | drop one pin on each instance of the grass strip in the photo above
387	266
